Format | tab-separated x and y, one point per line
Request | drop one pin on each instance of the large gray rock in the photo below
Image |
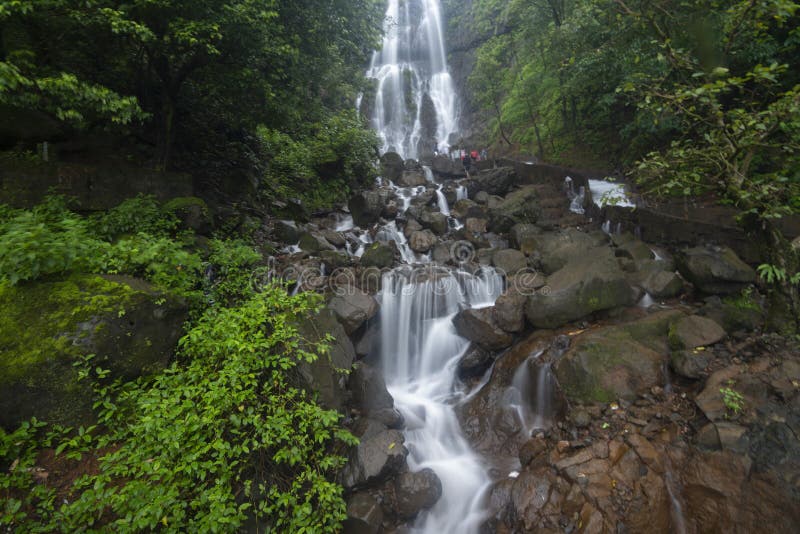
414	492
366	207
430	218
509	261
662	284
521	206
411	179
392	166
479	326
509	310
443	165
606	364
353	309
715	269
286	232
364	514
376	458
314	243
556	249
694	331
326	376
48	325
525	237
370	396
475	362
378	255
583	286
497	181
422	241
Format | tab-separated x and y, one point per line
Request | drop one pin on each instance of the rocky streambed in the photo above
598	383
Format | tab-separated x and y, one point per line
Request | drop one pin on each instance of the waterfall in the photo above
531	393
415	102
420	350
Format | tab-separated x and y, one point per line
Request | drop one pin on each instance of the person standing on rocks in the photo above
467	162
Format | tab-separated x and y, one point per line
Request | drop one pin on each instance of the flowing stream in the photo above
419	351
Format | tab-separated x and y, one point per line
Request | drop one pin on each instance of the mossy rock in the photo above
48	325
607	364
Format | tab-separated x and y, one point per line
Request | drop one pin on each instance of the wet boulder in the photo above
422	241
431	219
662	284
475	362
375	459
509	310
325	375
556	249
414	492
519	207
524	237
366	207
715	270
694	331
314	243
478	325
445	166
392	166
286	232
498	181
378	255
411	179
583	286
606	364
370	396
364	514
509	261
353	308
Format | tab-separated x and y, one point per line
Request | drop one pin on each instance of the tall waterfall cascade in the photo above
415	106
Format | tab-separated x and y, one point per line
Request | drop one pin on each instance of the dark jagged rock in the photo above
353	309
364	514
497	181
581	287
378	255
715	270
475	362
478	325
521	206
392	166
366	207
375	459
324	375
509	261
414	492
694	331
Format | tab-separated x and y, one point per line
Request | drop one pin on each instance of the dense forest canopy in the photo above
210	86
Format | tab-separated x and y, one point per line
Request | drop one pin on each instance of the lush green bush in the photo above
320	168
232	264
142	214
222	435
48	239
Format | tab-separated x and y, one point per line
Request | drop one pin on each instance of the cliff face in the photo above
464	36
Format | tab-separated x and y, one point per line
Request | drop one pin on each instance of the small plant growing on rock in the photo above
732	399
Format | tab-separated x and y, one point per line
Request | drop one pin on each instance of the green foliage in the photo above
732	399
142	214
221	435
232	264
773	274
320	168
48	239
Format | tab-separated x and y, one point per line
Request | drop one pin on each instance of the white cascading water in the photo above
420	350
412	64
